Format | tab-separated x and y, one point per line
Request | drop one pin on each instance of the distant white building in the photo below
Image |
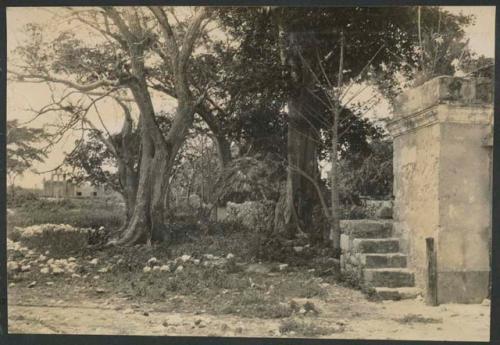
59	186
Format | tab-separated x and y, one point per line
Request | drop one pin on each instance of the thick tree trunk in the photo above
126	166
296	207
128	182
301	197
157	160
153	152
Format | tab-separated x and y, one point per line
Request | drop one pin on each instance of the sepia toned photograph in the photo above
259	172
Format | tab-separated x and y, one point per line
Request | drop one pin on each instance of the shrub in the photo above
256	304
254	215
352	280
305	328
20	197
414	318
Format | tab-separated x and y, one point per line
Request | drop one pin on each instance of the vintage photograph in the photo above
294	172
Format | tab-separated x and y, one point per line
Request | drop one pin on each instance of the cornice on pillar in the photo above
443	99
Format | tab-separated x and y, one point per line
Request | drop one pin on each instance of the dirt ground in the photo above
211	287
83	311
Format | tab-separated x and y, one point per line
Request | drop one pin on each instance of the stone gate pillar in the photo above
442	132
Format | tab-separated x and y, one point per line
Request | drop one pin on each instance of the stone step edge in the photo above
390	269
393	242
384	260
398	293
385	254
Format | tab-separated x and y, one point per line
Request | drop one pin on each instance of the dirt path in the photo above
117	292
362	320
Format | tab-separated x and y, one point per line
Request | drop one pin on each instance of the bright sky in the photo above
22	96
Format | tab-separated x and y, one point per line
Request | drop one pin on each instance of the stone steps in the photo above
366	228
397	294
376	245
389	277
386	260
372	253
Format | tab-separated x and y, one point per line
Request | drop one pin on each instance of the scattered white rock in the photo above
25	268
74	275
47	252
49	283
156	268
103	270
94	261
196	261
32	284
57	270
153	261
12	266
298	249
95	277
42	257
12	284
165	268
185	258
44	270
100	290
179	269
230	256
283	267
50	261
258	268
71	259
146	269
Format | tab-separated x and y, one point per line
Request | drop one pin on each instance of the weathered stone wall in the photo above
416	175
442	189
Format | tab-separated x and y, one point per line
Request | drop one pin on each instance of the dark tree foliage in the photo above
367	173
92	162
24	148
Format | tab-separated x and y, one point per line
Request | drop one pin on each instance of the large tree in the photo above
300	49
134	39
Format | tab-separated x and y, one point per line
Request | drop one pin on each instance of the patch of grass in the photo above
307	289
60	240
415	318
78	213
351	280
306	329
252	303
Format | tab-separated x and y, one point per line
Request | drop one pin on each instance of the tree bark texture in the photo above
296	208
